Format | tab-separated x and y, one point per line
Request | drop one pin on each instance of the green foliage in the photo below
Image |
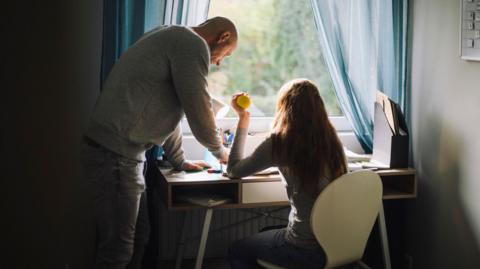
277	42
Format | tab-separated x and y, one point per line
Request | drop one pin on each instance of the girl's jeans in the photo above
271	246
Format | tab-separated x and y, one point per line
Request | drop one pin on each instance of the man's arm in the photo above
189	67
173	148
174	151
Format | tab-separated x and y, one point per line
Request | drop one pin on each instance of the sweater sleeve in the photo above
259	160
189	62
173	148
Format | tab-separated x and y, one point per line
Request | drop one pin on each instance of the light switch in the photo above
470	30
469	43
477	45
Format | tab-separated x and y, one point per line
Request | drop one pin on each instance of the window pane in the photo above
277	42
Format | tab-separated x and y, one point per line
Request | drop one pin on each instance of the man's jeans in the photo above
121	213
272	247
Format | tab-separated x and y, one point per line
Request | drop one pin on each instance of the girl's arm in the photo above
259	160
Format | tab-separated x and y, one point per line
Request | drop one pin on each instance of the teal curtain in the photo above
155	11
124	22
364	45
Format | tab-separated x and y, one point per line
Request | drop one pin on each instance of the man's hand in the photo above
194	165
224	158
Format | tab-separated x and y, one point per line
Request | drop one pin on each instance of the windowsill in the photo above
259	128
195	151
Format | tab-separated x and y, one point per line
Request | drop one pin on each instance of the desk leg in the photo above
203	239
181	244
384	238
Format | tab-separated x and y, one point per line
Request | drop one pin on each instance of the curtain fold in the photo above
124	22
364	46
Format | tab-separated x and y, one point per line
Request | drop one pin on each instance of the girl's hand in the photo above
239	110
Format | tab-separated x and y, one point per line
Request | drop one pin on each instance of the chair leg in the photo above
363	265
384	238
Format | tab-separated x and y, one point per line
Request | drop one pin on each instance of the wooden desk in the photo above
262	191
254	191
258	191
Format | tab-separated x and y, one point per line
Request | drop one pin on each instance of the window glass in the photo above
277	42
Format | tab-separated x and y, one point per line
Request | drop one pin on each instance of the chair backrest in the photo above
344	214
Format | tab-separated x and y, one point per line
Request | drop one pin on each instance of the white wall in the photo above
50	61
444	221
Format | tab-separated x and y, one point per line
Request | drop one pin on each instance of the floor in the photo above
218	263
211	263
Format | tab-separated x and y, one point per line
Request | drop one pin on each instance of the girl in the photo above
305	147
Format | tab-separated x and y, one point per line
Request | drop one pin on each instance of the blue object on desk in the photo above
211	160
227	138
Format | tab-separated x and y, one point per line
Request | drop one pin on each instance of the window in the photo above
277	42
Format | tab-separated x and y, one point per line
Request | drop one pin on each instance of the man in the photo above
156	81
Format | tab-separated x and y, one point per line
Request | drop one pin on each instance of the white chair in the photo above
343	217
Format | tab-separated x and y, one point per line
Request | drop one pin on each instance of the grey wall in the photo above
50	66
444	221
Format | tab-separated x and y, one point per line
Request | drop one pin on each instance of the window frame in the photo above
263	124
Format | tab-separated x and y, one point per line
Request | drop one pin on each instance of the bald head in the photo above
221	36
215	26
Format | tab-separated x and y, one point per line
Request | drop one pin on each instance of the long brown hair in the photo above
304	140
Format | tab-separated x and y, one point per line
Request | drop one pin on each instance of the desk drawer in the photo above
263	192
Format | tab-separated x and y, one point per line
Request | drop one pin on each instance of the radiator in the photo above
219	239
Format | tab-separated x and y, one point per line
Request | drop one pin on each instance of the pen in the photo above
214	171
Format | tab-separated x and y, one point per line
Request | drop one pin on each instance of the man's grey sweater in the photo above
156	81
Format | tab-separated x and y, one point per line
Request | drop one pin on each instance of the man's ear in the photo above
224	37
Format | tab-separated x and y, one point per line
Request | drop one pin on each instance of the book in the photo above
355	157
204	199
388	110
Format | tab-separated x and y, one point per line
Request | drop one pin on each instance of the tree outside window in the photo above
277	42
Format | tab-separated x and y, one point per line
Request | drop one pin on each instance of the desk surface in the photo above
203	177
265	190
